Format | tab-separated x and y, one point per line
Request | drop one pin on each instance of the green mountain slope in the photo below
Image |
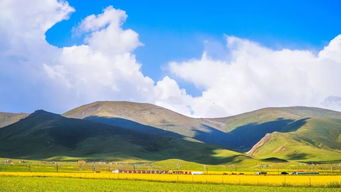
10	118
127	130
44	135
249	128
318	140
142	113
273	113
239	133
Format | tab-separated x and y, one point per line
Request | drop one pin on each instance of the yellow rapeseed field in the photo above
270	180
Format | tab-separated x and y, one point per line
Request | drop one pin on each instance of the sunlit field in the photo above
16	165
329	175
269	180
52	184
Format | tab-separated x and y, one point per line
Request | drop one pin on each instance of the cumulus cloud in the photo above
35	74
168	94
104	67
255	76
106	33
23	50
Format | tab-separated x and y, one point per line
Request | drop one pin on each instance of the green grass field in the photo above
16	165
50	184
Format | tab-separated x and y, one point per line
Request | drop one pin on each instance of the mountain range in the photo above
113	130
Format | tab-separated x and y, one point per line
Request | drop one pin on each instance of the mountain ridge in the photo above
10	118
209	130
44	135
289	133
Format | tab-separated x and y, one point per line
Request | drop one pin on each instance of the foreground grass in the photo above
246	165
269	180
51	184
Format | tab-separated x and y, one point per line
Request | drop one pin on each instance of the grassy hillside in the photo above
10	118
273	113
317	141
239	133
142	113
139	131
44	135
150	118
244	137
252	126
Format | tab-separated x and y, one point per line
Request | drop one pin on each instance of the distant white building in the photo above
197	173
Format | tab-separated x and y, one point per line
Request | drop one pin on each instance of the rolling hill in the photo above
317	141
273	113
128	130
10	118
245	132
44	135
312	134
110	112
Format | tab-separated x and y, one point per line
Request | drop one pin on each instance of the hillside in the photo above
319	127
273	113
119	112
10	118
238	133
317	141
44	135
127	130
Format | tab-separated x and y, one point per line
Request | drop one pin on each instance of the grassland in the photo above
55	149
269	180
302	134
51	184
316	141
47	136
245	165
64	176
155	134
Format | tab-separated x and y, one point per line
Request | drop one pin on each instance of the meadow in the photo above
268	180
226	175
53	184
248	167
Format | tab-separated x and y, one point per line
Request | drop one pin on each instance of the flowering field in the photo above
54	184
269	180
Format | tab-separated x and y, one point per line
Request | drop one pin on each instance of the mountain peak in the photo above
144	113
40	112
43	113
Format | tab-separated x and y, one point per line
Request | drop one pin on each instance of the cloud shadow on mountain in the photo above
244	137
132	125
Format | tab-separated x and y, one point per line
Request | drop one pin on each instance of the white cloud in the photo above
168	94
106	33
35	74
23	50
103	68
255	76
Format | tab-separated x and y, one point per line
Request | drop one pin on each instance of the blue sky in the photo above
177	29
200	58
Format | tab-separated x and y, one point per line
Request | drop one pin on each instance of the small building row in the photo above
156	172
